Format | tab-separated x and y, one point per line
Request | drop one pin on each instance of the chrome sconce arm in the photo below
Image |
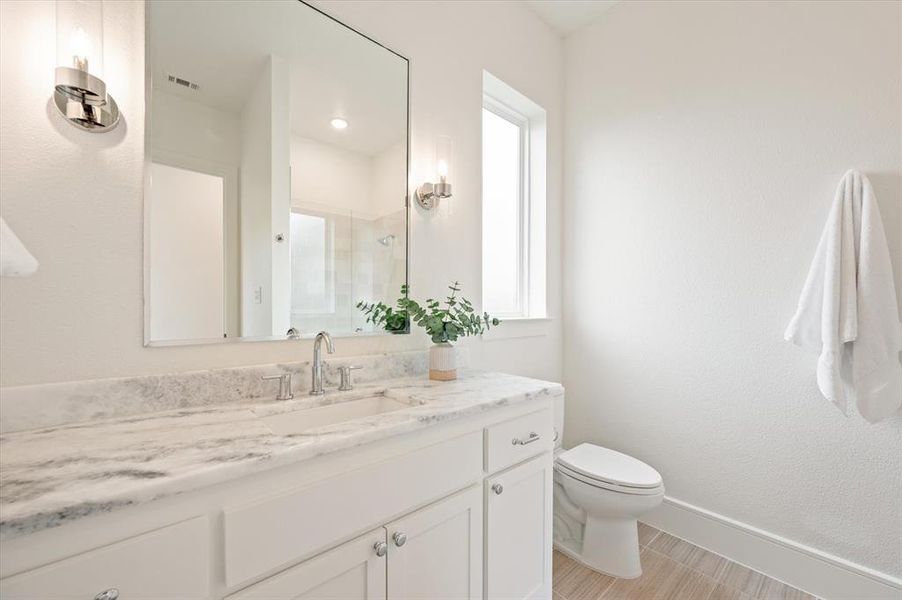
82	99
429	193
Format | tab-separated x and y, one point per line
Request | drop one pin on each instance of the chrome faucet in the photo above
317	388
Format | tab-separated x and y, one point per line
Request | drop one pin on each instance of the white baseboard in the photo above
795	564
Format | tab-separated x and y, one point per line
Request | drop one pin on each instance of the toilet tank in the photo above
559	421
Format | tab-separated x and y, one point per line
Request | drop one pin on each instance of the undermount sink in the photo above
320	416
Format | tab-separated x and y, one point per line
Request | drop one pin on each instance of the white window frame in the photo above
510	115
511	105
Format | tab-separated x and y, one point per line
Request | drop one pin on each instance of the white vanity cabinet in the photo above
458	511
435	552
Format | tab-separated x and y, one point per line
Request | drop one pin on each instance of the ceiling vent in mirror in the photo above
174	79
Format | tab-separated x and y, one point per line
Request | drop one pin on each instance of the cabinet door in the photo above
352	571
518	531
436	552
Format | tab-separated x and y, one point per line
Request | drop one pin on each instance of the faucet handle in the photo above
284	385
345	372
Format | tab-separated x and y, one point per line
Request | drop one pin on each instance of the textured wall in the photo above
75	199
704	141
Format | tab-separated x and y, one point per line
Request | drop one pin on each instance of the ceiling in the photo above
225	45
566	16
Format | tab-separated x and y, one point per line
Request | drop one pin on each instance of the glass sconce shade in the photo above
81	94
428	193
443	150
79	35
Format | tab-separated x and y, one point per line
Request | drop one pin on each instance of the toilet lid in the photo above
609	466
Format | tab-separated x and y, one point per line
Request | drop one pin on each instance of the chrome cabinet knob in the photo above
399	538
110	594
497	488
381	548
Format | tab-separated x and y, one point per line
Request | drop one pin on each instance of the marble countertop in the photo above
56	475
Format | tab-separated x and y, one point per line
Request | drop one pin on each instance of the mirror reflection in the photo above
277	172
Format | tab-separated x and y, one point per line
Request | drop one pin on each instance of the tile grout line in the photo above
697	572
718	580
607	588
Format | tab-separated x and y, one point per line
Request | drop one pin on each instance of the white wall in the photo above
280	175
389	179
337	178
75	199
330	176
188	128
255	203
704	144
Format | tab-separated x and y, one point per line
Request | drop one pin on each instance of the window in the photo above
504	211
513	203
312	254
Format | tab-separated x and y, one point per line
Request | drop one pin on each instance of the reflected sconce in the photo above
428	194
80	94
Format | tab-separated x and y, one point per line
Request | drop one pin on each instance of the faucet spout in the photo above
317	388
323	336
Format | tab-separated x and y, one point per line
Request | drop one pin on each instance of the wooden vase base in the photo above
442	375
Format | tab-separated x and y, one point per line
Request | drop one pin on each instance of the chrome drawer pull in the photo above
110	594
497	488
381	548
533	437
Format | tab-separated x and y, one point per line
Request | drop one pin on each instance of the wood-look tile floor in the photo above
672	569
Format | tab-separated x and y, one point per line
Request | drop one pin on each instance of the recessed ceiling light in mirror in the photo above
339	123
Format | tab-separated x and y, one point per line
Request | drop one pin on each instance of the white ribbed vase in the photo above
442	362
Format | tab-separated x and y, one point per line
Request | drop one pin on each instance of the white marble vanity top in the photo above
55	475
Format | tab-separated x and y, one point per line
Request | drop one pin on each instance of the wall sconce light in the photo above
80	94
428	194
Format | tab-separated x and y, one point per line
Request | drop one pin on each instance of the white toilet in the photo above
598	496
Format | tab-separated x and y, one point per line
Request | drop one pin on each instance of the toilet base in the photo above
611	546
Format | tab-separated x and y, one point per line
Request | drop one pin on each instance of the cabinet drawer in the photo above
279	530
172	562
516	440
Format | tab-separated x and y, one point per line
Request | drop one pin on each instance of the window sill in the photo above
519	327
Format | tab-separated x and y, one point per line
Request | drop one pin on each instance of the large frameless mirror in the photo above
276	181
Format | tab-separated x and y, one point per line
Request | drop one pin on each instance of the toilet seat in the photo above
620	489
608	469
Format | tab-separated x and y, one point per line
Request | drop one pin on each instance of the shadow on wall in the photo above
888	187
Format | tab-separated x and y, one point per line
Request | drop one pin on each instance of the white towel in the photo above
15	259
848	310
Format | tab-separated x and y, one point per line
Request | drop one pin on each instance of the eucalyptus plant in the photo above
394	320
443	321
